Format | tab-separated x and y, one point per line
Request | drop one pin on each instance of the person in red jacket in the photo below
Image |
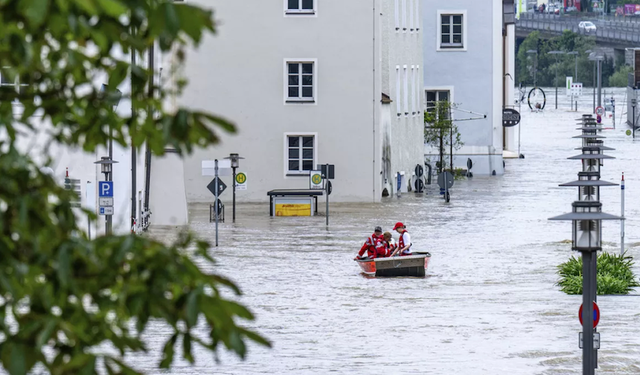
371	245
387	246
404	242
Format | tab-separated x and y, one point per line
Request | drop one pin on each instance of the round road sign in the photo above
600	110
445	179
241	178
598	119
596	315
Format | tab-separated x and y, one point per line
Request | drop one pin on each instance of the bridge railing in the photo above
557	24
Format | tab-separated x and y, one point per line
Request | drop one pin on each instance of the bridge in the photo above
614	32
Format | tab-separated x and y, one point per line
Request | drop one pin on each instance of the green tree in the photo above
441	133
63	297
620	77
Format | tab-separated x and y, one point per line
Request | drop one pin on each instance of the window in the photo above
451	28
406	91
398	94
300	6
300	154
397	15
435	96
300	81
404	15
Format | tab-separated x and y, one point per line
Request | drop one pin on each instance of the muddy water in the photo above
488	304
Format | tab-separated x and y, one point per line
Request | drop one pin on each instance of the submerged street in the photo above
489	304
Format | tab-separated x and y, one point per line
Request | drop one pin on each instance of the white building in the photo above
468	57
304	82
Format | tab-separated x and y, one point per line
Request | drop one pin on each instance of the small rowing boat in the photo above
411	265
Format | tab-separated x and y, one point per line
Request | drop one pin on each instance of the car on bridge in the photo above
587	26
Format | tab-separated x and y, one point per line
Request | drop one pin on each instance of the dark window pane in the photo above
293	68
294	141
446	29
307	165
444	19
457	29
307	141
431	96
307	68
307	4
457	19
294	92
294	165
444	96
457	39
307	92
445	38
294	153
307	153
307	80
293	4
294	80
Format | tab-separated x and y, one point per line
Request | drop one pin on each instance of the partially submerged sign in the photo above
510	117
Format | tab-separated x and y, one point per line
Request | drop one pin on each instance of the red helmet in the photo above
398	225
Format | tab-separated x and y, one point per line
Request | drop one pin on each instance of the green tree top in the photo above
63	297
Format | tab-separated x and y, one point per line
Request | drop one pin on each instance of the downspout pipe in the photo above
147	180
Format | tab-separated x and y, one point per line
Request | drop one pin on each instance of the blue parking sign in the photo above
105	189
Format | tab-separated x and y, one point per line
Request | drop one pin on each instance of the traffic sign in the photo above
419	170
105	189
315	180
510	117
596	340
600	110
445	179
598	119
106	211
596	315
102	202
212	186
241	181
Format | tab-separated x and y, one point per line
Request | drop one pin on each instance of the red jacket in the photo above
371	245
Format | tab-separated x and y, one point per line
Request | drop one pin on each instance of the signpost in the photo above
510	117
241	181
315	180
600	111
327	172
445	181
596	315
216	187
105	198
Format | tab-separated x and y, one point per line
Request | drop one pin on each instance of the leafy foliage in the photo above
64	297
614	275
440	132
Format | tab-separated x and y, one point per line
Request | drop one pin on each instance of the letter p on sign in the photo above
105	189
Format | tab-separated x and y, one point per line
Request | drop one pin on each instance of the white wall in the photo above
239	74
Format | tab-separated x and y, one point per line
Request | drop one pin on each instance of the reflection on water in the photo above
488	304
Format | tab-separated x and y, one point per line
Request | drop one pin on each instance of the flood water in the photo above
489	304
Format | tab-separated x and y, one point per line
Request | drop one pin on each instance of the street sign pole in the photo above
326	187
234	194
215	204
622	215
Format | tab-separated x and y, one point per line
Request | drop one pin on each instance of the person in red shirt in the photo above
387	247
371	245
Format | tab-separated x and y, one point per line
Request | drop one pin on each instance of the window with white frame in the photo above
404	15
451	31
397	15
406	91
300	81
435	96
300	6
300	154
398	93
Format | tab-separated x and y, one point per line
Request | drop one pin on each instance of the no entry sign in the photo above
596	315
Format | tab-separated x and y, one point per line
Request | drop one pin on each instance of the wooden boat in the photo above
411	265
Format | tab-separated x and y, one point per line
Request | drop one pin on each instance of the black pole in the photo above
234	194
587	315
556	81
147	156
633	121
326	186
594	87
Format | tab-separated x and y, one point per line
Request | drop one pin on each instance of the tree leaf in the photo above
35	11
114	8
168	351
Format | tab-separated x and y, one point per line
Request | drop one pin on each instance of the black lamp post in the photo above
633	119
235	163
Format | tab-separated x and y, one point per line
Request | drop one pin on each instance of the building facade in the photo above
303	79
465	52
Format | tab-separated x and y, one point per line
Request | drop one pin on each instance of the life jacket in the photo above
401	243
371	245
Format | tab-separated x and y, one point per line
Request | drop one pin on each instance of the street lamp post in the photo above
576	70
235	163
556	53
633	116
106	167
535	66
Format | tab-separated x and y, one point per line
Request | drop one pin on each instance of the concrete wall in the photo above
474	77
402	54
239	74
